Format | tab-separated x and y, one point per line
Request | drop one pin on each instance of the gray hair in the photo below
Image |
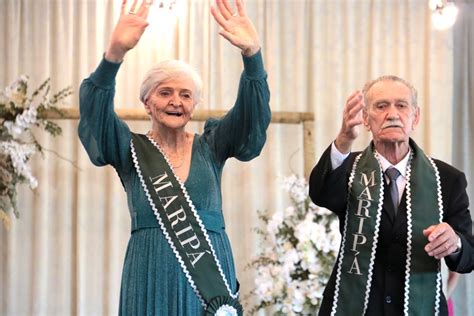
413	92
167	70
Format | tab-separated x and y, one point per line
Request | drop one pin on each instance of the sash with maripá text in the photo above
183	228
361	230
360	234
424	208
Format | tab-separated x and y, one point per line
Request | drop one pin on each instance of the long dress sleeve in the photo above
105	137
241	133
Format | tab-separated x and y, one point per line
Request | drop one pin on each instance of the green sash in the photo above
361	231
183	228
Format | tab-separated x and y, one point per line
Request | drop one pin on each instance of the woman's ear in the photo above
196	103
147	107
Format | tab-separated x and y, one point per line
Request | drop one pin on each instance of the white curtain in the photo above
64	255
463	131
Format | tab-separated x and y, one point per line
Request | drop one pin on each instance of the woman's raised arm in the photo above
236	27
128	30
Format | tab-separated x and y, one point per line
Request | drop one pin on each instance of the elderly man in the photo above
400	211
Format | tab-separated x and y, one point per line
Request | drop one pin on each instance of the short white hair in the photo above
167	70
413	92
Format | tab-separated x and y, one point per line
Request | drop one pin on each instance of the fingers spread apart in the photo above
142	11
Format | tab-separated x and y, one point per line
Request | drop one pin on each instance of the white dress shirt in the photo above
337	158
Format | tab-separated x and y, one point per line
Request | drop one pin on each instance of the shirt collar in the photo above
401	166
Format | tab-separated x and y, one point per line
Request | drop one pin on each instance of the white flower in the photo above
19	154
304	230
289	211
334	236
301	246
16	92
226	310
274	223
321	211
14	130
264	282
289	182
27	118
297	188
18	114
288	260
308	256
296	297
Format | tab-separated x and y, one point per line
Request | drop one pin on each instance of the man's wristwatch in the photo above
458	245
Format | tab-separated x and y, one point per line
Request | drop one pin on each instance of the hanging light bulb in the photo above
444	14
163	16
166	4
435	4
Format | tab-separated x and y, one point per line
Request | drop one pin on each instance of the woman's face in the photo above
171	103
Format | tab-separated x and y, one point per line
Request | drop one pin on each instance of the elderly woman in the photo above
179	260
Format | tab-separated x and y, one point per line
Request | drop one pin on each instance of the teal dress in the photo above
152	280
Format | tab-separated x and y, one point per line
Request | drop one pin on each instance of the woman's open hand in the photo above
236	27
128	30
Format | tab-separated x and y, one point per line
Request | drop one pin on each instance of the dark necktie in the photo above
393	174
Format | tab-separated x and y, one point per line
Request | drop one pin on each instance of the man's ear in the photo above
365	116
416	119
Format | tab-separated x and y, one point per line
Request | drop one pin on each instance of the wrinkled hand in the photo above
351	119
236	27
128	30
442	240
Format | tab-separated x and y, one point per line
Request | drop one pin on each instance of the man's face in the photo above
390	114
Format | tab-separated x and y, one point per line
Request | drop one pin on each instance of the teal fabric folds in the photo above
152	280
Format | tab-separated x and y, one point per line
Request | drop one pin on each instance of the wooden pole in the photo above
139	114
308	147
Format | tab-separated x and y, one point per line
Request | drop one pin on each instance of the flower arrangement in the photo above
300	246
19	113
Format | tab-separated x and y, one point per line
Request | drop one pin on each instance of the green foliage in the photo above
19	113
